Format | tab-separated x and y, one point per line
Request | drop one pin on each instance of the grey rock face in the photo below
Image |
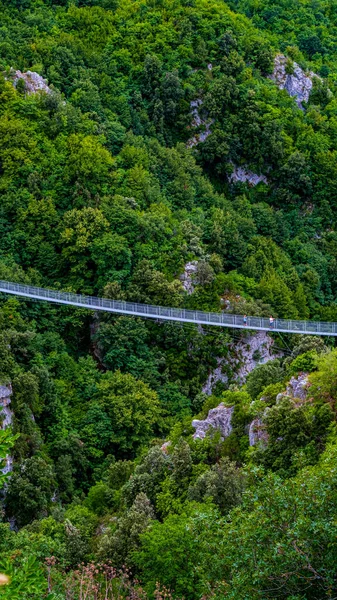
164	448
298	84
214	377
297	390
252	351
33	82
198	122
257	432
243	358
298	387
189	276
243	175
218	418
6	416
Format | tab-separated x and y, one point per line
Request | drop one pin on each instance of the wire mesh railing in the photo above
169	314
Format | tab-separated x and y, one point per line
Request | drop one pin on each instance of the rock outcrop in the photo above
244	175
6	419
214	377
34	82
199	122
297	390
243	357
257	432
298	84
164	448
218	418
252	351
298	387
188	278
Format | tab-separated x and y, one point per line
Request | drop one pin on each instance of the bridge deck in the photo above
168	314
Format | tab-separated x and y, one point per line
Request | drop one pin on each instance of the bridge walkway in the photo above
168	314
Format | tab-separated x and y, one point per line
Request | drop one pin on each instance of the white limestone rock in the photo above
244	175
214	377
164	448
198	122
257	432
34	82
252	351
298	84
243	357
298	387
188	278
6	416
218	418
297	390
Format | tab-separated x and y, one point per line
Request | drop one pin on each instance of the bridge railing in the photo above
167	313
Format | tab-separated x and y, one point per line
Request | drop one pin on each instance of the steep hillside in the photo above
182	153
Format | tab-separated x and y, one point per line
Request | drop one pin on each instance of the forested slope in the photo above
147	153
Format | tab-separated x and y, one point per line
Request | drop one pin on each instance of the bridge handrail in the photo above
168	313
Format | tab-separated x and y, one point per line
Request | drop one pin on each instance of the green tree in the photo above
263	375
179	555
119	545
132	407
30	490
223	483
280	543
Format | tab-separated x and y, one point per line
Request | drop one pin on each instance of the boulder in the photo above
244	356
6	417
218	418
297	390
298	387
33	82
257	432
252	351
197	121
189	276
244	175
5	412
298	84
214	377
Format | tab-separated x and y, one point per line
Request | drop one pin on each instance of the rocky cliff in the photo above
218	418
198	122
33	82
6	418
243	357
290	77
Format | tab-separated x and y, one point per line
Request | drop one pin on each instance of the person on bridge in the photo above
271	322
245	319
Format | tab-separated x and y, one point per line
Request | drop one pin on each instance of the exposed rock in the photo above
8	468
252	351
257	432
243	357
244	175
165	446
298	386
214	377
218	418
189	276
6	419
297	390
298	84
198	122
33	82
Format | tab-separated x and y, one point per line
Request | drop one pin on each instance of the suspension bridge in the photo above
165	313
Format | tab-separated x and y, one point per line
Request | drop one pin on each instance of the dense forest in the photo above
181	153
